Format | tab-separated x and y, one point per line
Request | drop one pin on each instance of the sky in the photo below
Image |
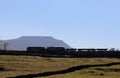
80	23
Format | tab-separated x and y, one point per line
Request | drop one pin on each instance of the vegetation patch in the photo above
108	69
3	69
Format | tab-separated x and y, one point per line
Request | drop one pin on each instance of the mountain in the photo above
8	46
38	41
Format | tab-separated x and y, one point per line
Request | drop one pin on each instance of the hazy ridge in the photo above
41	41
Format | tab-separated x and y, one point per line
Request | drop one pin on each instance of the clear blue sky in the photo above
80	23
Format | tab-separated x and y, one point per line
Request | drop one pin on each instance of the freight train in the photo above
59	49
63	52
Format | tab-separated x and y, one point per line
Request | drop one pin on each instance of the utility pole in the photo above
5	46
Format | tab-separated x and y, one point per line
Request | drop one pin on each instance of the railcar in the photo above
36	49
56	50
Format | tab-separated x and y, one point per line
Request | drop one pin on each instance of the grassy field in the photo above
93	72
22	65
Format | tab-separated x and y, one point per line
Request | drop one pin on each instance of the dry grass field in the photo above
23	65
93	72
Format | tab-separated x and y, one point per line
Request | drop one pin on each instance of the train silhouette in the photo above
56	49
73	52
63	52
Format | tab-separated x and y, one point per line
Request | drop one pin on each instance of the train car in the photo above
36	49
71	51
87	50
56	50
102	49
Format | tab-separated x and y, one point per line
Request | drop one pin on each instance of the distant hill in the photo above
41	41
8	47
